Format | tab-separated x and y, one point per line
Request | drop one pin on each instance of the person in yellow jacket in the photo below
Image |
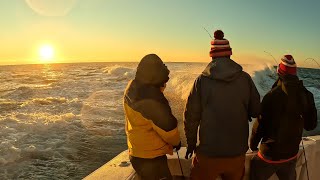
150	126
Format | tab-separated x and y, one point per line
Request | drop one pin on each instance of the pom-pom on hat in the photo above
287	66
220	47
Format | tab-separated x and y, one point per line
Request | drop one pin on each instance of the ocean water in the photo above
63	121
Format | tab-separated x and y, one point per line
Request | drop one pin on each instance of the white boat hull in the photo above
119	168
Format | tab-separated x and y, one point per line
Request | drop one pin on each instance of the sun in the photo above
46	53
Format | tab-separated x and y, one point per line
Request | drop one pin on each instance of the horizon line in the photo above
86	62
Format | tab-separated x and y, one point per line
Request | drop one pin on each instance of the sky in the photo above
126	30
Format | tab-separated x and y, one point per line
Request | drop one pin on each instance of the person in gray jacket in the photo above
222	101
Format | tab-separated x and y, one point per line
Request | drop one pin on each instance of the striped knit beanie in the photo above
287	66
220	47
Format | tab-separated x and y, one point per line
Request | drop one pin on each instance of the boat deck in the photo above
119	168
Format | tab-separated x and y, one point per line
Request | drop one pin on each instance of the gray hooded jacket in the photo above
222	101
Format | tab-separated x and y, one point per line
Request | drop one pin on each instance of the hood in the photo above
289	83
136	91
223	69
152	71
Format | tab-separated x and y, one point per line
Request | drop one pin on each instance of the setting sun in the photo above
46	53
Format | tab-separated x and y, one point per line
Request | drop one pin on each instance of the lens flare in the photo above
51	7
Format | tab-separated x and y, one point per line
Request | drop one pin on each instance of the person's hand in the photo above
177	147
189	152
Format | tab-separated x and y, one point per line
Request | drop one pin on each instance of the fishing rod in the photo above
180	164
313	61
208	32
276	62
274	59
305	158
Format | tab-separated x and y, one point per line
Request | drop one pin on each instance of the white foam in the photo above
120	71
262	75
9	153
49	101
100	112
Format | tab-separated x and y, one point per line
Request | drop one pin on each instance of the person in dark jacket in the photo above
281	125
222	101
150	126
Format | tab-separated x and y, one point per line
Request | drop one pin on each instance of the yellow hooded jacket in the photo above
150	126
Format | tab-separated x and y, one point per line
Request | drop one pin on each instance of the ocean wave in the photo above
102	114
180	84
18	120
263	77
9	105
49	101
86	74
36	136
68	128
181	80
21	92
9	153
120	71
32	79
